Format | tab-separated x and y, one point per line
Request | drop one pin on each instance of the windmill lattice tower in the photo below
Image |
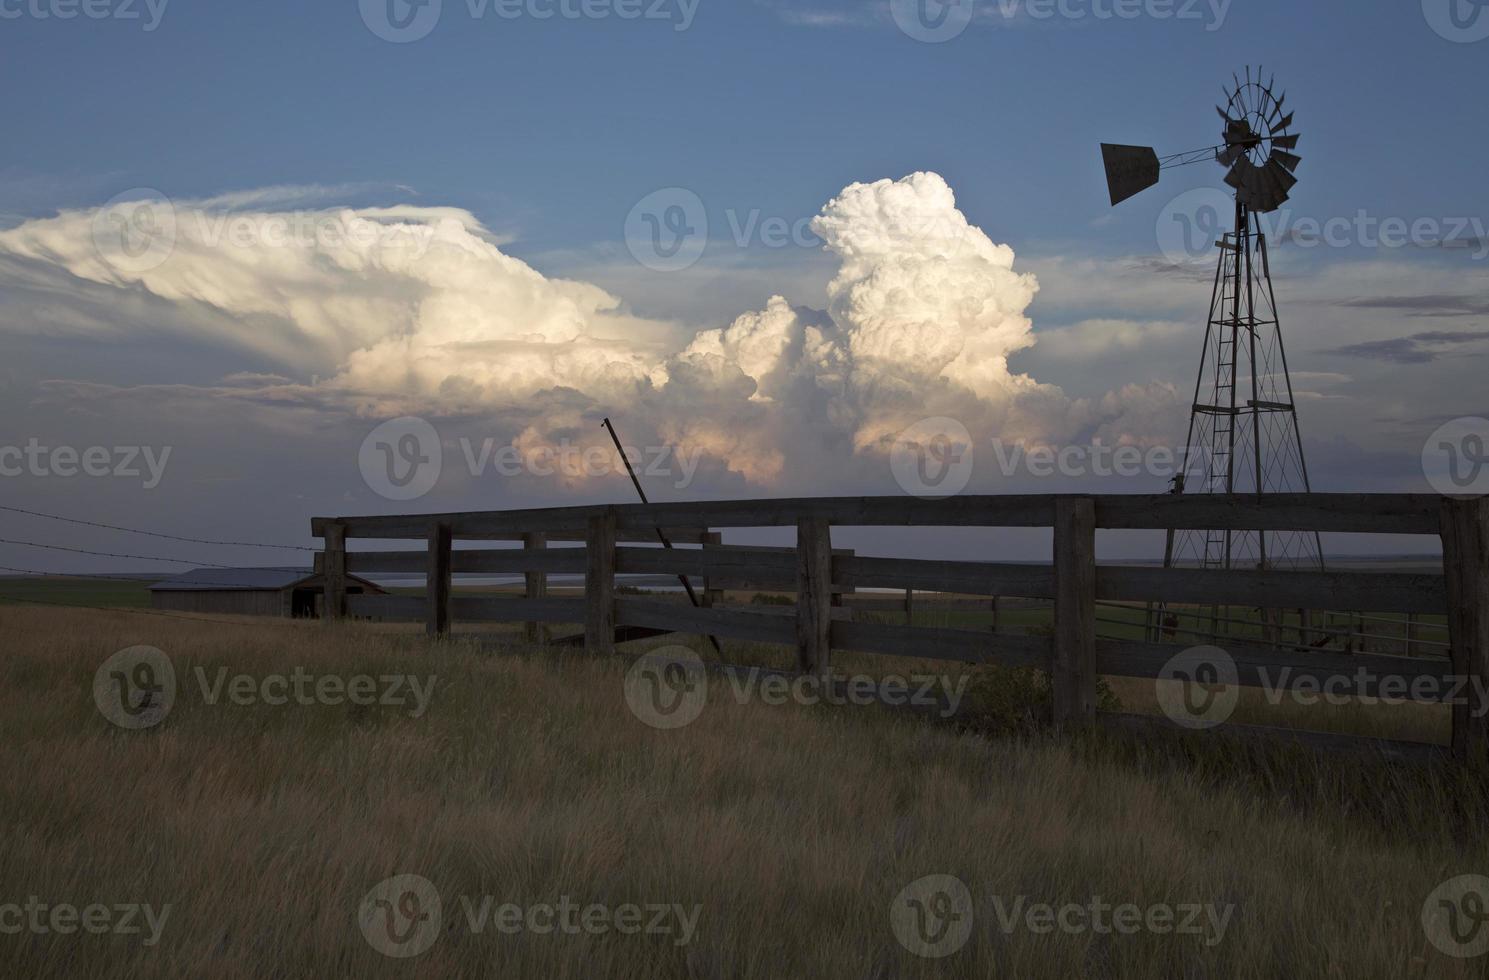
1244	435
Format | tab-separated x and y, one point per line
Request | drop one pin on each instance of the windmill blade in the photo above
1284	122
1282	175
1287	142
1228	156
1271	189
1129	170
1236	176
1251	187
1288	160
1277	109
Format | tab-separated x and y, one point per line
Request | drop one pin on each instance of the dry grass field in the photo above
759	841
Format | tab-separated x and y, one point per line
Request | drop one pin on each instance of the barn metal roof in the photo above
234	580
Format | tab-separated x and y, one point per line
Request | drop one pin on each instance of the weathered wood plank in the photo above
560	524
813	596
484	609
387	608
1073	652
690	522
599	585
1465	548
510	561
741	569
1378	592
468	609
1262	667
1380	513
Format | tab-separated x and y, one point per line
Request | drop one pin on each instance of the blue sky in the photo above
533	137
554	128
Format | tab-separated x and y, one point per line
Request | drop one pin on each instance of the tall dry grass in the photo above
792	828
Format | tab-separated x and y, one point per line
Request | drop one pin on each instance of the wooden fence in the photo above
1074	656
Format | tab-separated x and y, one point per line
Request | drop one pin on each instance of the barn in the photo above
285	592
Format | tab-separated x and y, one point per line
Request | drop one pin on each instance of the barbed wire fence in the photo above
48	575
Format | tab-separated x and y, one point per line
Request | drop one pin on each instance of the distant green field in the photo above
65	591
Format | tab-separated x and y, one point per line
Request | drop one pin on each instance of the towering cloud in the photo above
395	311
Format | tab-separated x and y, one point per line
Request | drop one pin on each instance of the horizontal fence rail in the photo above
599	544
1340	512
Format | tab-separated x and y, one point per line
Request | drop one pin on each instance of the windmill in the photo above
1243	425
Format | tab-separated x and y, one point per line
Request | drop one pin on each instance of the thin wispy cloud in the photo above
1419	348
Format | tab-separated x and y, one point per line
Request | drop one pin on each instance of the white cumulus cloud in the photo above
412	310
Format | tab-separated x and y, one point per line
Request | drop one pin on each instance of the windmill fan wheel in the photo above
1258	153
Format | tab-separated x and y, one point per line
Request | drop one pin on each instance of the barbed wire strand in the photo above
156	534
111	554
207	585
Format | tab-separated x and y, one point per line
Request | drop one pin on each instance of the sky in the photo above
264	258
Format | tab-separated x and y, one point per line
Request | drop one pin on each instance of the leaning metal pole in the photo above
661	534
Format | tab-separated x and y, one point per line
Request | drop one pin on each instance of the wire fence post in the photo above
814	596
1465	552
599	584
1073	650
536	587
438	581
335	565
712	596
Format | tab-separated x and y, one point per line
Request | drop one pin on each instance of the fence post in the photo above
438	581
813	596
1073	654
335	571
536	587
1465	554
599	584
712	596
909	607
